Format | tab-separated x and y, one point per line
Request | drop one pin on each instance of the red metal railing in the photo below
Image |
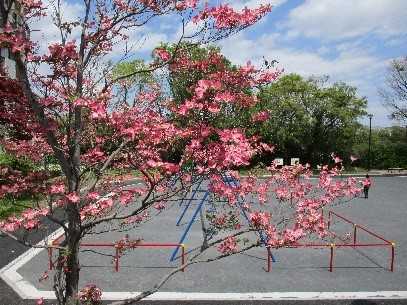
50	251
332	246
118	248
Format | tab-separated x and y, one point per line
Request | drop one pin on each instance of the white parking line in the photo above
10	275
27	290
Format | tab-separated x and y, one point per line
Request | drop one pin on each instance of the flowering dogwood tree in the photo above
68	104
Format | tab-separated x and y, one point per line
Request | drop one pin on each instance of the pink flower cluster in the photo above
228	245
16	39
260	220
122	5
97	208
15	183
137	218
204	85
30	5
90	294
162	54
125	197
57	188
28	148
73	198
29	219
159	206
96	106
186	4
225	221
166	167
60	52
226	17
40	301
260	116
93	156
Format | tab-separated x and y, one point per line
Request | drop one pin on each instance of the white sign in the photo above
295	161
279	161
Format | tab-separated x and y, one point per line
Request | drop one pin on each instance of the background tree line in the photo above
308	118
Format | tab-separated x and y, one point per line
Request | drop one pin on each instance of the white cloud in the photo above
341	19
150	41
347	63
239	4
46	32
353	64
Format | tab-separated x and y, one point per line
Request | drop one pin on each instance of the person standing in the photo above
366	185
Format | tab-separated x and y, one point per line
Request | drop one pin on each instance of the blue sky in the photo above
349	40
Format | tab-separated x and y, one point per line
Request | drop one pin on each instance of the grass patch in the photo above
118	172
10	206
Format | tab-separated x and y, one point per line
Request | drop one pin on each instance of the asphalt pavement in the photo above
385	195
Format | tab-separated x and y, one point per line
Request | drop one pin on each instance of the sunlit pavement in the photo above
295	270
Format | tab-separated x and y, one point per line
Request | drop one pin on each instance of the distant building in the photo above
9	13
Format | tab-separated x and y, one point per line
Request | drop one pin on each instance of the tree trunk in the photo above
73	239
72	268
205	244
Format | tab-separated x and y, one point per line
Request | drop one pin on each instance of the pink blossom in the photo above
9	226
282	193
40	301
93	196
214	108
122	5
94	155
159	206
226	97
170	168
262	192
62	52
153	163
81	102
291	236
163	54
90	294
228	246
353	158
148	96
73	197
219	221
98	110
125	197
204	85
185	4
261	116
137	218
105	203
44	276
31	224
336	158
225	17
57	189
268	76
266	147
260	219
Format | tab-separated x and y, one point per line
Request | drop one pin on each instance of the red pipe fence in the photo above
118	247
131	245
332	246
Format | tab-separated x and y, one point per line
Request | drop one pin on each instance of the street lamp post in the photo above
370	116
